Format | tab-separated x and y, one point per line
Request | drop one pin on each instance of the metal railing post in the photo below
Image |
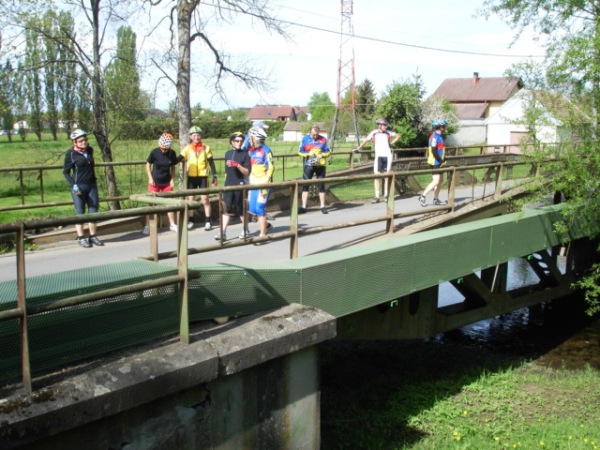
452	188
389	223
182	268
294	221
499	179
22	306
153	224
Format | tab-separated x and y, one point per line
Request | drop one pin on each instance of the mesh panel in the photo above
231	291
72	333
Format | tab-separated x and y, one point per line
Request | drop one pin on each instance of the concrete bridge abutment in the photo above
252	385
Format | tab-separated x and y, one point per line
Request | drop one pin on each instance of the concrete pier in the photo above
251	383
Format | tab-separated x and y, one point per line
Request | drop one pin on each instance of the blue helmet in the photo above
439	123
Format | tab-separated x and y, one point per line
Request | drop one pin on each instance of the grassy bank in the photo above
431	395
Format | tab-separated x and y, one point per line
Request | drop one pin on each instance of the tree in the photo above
33	82
365	99
7	92
188	25
321	107
435	108
572	30
124	97
51	74
66	73
401	106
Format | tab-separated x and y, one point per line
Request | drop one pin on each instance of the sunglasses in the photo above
81	140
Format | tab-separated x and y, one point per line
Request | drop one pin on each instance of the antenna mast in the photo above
346	95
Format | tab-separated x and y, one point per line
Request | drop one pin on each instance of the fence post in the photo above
41	185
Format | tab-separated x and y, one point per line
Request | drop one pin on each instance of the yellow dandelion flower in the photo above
455	433
465	412
496	438
542	444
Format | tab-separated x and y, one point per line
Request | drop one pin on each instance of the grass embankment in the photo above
426	395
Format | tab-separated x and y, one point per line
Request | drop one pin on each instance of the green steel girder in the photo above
349	280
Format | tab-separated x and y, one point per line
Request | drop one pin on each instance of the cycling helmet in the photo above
258	133
165	140
381	122
439	123
195	130
236	134
77	134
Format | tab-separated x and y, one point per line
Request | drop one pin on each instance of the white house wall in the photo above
471	132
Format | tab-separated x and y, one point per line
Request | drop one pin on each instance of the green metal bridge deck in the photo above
401	271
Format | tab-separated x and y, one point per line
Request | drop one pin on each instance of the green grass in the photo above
381	398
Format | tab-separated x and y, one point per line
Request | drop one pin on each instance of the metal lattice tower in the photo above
345	99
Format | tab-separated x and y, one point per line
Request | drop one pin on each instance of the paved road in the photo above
68	255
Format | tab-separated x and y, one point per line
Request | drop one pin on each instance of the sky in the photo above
393	40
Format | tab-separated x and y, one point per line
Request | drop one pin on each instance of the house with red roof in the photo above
476	98
277	113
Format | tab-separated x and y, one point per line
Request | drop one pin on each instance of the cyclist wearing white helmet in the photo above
199	159
160	168
382	139
436	158
261	162
79	171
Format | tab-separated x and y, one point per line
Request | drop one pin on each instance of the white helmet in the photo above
257	133
77	134
165	140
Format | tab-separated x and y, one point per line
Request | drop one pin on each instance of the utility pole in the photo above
345	78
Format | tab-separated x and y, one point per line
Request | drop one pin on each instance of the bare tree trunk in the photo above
184	112
100	126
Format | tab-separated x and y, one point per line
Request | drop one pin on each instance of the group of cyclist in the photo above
249	161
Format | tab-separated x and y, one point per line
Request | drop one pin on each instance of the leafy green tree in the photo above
33	81
66	73
123	92
401	106
7	92
572	32
20	102
50	51
321	107
365	99
84	118
239	114
434	108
